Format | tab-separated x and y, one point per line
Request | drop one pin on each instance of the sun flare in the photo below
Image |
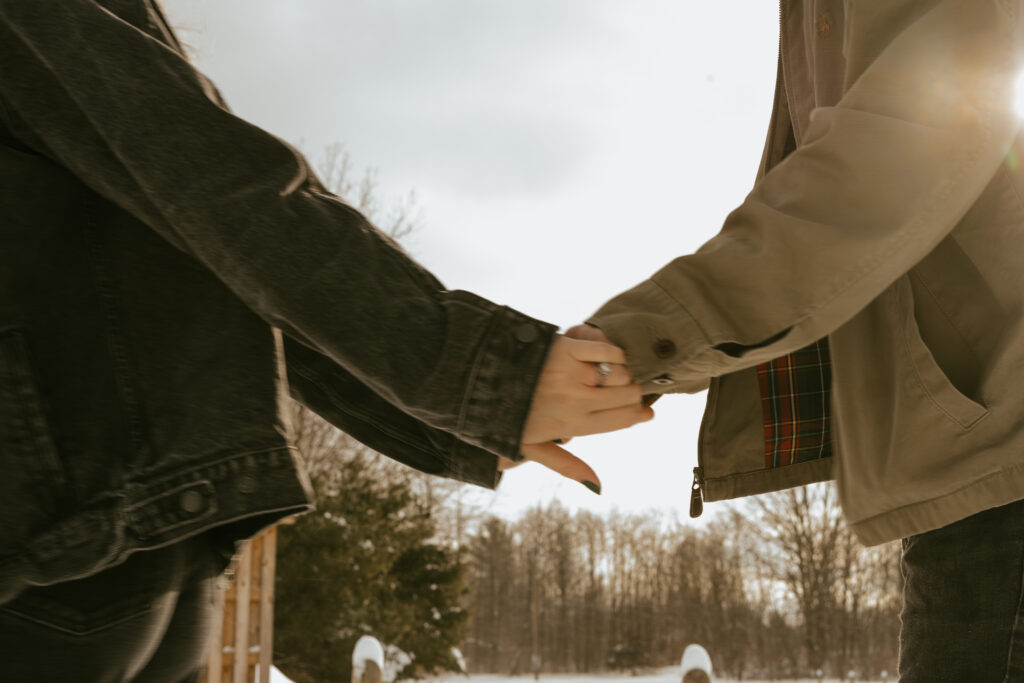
1018	101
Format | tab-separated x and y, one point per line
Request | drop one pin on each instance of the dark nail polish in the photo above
593	487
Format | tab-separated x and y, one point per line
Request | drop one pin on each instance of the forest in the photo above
774	586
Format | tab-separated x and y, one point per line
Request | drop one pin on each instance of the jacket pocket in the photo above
927	372
31	474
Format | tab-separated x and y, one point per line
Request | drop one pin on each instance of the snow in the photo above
669	675
370	648
697	658
275	675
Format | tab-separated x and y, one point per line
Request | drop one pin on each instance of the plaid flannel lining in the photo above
795	406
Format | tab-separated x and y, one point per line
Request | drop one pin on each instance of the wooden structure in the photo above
242	641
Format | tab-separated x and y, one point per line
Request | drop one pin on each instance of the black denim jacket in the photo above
167	273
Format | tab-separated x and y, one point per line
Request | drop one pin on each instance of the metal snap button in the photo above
527	333
664	348
190	501
664	380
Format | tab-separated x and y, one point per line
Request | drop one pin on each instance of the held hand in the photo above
591	333
573	398
585	388
587	332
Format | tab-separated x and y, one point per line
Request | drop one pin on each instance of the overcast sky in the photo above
560	151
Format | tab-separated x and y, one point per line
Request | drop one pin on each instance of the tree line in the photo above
776	587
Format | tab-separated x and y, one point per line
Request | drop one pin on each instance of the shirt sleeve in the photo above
133	120
878	180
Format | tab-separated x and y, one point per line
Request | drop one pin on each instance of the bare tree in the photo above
801	531
804	545
586	592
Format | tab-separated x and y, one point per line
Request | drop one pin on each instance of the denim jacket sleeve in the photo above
327	389
128	115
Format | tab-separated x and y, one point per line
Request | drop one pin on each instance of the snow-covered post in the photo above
696	664
460	660
367	660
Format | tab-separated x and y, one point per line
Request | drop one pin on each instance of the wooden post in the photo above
268	567
240	666
215	655
242	637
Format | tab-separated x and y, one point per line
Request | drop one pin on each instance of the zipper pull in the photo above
696	499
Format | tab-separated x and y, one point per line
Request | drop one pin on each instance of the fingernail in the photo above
592	486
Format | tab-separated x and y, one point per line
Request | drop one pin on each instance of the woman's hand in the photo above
584	388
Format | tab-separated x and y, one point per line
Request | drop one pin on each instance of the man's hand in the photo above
588	333
584	388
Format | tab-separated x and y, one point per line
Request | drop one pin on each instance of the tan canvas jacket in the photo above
888	218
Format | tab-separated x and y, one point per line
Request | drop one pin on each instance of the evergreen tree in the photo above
363	563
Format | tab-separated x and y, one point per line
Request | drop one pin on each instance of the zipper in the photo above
696	497
784	77
696	489
781	95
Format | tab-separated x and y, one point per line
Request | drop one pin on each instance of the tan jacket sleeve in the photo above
926	117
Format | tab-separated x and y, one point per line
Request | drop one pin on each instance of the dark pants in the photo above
962	615
145	620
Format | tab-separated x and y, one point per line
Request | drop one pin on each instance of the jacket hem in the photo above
992	491
160	511
766	481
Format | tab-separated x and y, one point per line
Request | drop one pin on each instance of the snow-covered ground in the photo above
669	675
275	675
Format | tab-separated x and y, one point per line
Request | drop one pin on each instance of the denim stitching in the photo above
119	353
34	428
341	405
69	624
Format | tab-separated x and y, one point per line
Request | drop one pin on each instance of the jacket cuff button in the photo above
664	348
527	333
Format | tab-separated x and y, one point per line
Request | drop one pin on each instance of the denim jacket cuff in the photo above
474	465
504	376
